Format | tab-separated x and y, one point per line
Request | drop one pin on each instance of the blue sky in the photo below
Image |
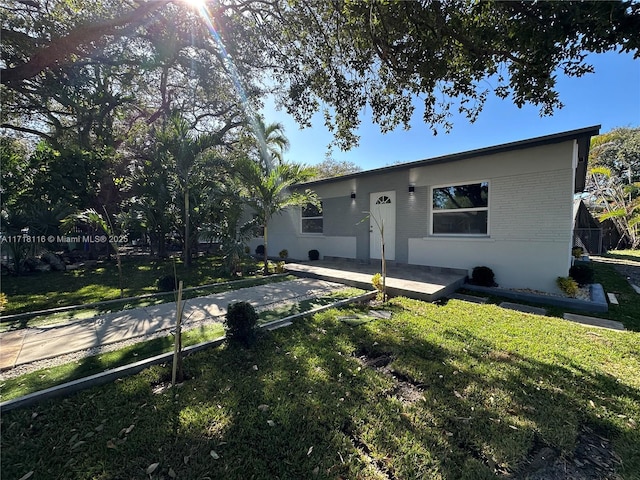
609	97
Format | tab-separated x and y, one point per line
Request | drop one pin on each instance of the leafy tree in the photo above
188	153
343	57
614	199
268	191
614	180
329	168
102	224
337	56
618	150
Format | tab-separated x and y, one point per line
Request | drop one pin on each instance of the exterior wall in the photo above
530	216
530	210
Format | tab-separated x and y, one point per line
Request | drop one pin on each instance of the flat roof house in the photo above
509	207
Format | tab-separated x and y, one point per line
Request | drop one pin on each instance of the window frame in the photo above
320	216
433	211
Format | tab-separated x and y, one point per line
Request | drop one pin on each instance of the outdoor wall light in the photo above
353	195
412	188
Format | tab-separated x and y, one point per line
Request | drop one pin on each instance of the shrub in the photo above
3	301
483	276
314	255
168	283
568	285
240	323
583	274
280	267
577	252
260	250
376	281
284	253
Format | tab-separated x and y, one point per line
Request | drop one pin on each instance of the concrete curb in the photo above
131	369
598	301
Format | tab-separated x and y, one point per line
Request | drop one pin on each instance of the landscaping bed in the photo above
596	303
452	391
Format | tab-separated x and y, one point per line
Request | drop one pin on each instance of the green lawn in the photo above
39	291
457	391
49	377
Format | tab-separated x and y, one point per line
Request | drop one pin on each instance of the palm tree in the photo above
272	141
269	192
187	152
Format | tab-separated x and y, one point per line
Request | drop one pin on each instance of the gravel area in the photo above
187	325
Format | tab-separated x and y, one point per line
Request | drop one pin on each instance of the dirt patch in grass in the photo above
593	459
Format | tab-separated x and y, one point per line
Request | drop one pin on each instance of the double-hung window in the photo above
460	209
311	219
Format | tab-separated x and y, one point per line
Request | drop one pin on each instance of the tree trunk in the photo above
266	255
187	245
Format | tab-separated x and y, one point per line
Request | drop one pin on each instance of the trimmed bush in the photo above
583	274
240	323
3	301
314	255
284	253
483	276
260	250
376	281
168	283
568	285
577	252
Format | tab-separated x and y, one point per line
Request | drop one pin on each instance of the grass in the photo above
45	290
627	312
49	377
471	390
633	255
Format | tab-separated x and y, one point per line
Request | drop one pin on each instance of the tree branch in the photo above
61	48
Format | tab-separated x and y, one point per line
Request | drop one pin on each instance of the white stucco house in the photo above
509	207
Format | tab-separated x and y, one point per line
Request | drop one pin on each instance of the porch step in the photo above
594	321
406	281
523	308
468	298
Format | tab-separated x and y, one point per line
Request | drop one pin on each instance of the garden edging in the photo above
598	302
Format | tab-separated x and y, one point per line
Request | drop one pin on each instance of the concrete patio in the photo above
413	281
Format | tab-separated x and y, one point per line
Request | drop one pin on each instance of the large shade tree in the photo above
337	56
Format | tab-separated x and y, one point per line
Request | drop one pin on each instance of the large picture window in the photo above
461	209
312	221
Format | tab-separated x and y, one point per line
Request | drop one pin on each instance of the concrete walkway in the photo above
31	344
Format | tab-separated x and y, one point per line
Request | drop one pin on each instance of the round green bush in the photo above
168	283
483	276
241	323
260	250
314	255
583	274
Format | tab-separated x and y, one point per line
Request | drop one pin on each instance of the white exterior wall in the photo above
530	215
284	233
529	238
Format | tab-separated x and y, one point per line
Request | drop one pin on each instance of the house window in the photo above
461	209
311	220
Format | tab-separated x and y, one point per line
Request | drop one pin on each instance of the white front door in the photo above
382	221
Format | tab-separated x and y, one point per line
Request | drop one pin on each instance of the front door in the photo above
382	221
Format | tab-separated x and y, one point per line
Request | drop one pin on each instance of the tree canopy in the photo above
614	181
338	56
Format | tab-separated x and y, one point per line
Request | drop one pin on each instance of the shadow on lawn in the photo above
303	405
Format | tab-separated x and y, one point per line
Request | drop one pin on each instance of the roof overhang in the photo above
582	136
